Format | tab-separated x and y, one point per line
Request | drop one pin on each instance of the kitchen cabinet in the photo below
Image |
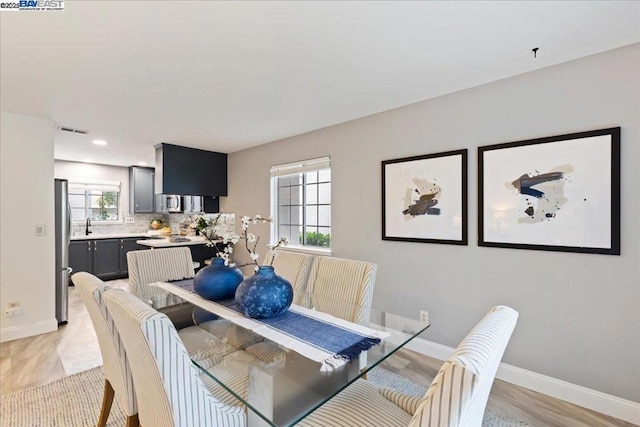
141	189
127	245
189	171
81	256
104	258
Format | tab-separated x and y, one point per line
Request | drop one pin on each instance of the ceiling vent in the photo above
80	131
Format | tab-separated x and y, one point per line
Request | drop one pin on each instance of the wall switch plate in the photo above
129	220
424	316
41	230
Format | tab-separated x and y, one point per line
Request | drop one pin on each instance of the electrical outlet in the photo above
424	316
130	220
13	309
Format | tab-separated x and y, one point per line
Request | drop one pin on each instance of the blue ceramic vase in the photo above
264	294
217	281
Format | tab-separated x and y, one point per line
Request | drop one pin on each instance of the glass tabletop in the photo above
281	370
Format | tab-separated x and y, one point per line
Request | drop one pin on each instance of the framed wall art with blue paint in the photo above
424	198
560	193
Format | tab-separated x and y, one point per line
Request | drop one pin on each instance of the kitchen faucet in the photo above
87	229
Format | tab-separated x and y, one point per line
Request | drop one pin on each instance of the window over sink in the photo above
301	203
98	201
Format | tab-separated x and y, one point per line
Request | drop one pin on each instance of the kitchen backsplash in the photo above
143	223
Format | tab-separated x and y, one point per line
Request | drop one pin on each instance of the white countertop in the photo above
166	243
108	236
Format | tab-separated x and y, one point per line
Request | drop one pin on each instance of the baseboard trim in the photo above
13	332
613	406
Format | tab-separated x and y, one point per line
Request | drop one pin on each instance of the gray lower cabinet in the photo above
104	258
81	256
127	245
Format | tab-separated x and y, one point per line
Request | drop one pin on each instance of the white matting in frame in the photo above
559	193
424	198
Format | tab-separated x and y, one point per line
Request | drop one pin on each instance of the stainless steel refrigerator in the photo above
63	236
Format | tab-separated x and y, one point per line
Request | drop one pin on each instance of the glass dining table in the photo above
310	366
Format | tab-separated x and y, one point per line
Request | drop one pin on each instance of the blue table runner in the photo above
340	341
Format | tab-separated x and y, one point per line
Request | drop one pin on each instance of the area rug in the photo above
384	378
74	401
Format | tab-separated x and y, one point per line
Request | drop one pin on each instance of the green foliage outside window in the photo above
317	239
109	199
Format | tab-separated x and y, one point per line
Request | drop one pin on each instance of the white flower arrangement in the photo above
215	234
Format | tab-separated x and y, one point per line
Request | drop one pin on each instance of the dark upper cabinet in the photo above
189	171
211	204
141	192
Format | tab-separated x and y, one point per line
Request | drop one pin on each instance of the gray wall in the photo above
579	313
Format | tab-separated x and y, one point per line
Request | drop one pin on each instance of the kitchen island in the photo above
200	251
172	241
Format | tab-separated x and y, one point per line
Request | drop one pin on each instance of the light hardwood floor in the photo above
74	348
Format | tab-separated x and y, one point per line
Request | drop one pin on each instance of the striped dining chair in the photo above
157	265
293	266
169	390
117	374
457	396
344	288
346	280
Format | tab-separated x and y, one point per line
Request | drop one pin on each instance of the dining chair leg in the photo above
363	374
133	421
107	400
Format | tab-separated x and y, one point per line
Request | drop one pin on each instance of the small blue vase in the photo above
217	281
264	294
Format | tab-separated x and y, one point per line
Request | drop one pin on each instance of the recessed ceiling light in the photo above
99	142
87	160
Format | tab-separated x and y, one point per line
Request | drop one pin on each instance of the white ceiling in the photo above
225	76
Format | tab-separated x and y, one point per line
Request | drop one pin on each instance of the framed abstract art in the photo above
560	193
424	198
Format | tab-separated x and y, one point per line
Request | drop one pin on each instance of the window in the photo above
100	202
301	202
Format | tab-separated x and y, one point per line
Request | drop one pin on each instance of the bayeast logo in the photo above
41	4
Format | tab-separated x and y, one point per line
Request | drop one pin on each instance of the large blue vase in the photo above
264	294
217	281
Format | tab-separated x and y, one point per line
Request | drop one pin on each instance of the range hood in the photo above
185	170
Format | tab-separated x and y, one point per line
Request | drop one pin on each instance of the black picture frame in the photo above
565	193
409	215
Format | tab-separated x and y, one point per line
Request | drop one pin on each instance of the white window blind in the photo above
303	166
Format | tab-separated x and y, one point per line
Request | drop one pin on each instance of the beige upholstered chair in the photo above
204	348
341	280
293	266
457	396
117	374
169	390
157	265
346	280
